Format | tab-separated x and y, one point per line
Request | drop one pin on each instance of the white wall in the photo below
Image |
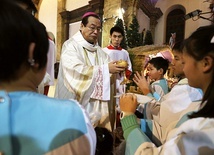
190	25
73	28
48	15
74	4
48	12
143	20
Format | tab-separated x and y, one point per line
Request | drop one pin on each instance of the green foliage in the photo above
133	36
148	38
120	24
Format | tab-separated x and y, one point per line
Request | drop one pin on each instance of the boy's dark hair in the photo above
104	141
116	29
178	46
29	3
159	62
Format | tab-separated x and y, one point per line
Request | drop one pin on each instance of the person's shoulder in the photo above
37	98
183	81
125	51
33	98
162	83
200	122
70	44
183	88
102	50
105	49
69	41
68	106
163	80
156	82
51	41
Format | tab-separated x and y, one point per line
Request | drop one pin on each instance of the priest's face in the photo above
92	29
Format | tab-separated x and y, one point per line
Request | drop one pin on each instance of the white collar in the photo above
80	40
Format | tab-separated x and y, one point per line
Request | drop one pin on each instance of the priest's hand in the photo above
115	68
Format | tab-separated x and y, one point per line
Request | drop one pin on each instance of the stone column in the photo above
60	27
110	15
130	8
112	11
153	23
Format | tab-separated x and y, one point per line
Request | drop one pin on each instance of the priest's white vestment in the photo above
84	76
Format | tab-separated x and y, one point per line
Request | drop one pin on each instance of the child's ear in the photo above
208	63
160	70
81	26
31	59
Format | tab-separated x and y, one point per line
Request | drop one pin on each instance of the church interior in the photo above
151	29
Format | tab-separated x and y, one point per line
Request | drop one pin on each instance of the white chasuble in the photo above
84	76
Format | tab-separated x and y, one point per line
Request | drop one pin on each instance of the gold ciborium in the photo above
124	63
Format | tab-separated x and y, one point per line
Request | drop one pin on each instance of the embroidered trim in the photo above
98	89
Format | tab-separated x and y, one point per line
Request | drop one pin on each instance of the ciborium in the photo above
124	63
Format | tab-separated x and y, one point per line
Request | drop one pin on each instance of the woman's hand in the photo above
128	103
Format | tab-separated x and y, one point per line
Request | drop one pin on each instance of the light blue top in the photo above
31	123
159	88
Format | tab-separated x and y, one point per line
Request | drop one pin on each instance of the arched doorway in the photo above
175	24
